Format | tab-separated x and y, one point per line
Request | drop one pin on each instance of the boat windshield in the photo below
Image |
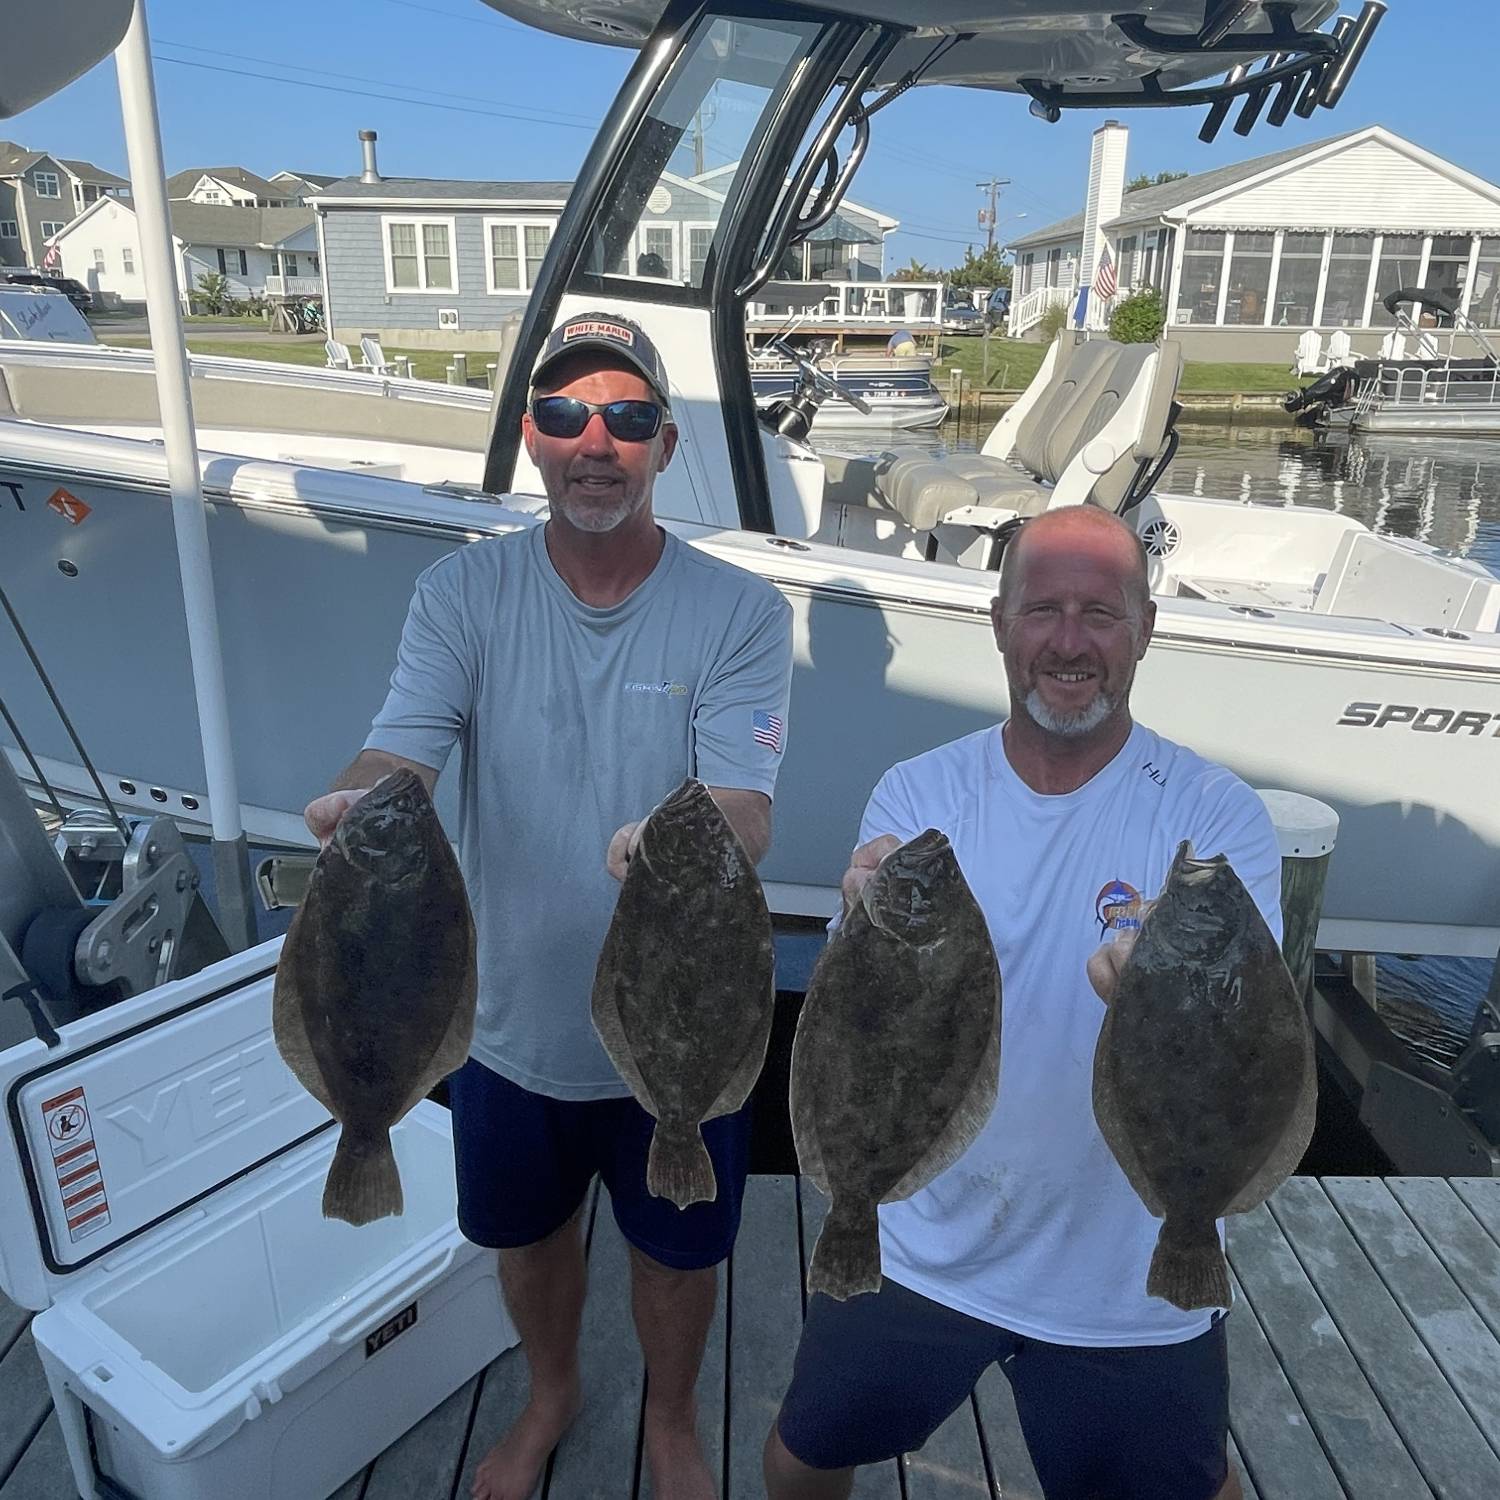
661	220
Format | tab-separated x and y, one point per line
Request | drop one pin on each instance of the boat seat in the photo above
1089	437
7	406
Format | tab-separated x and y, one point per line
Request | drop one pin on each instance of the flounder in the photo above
1205	1087
897	1054
375	988
685	986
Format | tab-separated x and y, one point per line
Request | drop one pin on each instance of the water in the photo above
1444	491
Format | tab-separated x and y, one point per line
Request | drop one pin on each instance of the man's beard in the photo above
1071	725
597	518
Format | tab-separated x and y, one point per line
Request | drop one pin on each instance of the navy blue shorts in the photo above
524	1163
877	1375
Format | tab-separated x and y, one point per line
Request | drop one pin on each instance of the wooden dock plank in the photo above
1481	1195
596	1459
425	1460
26	1400
503	1389
1451	1331
1272	1435
1458	1238
765	1318
1238	1465
1014	1475
12	1320
1364	1449
43	1472
1439	1433
950	1464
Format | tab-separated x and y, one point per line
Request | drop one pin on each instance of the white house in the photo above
258	250
1248	256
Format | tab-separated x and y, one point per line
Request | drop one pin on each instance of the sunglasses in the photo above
567	416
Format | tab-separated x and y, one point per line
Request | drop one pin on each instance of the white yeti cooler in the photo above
206	1333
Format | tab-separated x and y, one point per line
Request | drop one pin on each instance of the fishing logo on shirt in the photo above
1117	908
766	729
666	688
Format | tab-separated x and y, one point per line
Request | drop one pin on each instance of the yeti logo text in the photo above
1423	720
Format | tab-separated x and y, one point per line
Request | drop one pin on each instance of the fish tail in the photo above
679	1166
846	1259
363	1183
1188	1268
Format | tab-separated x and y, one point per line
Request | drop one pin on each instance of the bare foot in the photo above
675	1458
510	1470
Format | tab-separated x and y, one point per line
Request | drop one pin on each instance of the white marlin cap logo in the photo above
616	331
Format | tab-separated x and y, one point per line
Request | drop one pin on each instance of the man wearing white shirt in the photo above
1031	1250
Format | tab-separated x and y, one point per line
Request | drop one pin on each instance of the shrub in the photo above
1053	321
1139	319
213	291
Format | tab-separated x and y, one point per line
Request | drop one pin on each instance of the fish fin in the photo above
679	1166
846	1258
1109	1118
800	1105
967	1120
290	1030
363	1183
747	1070
1289	1150
1188	1268
610	1026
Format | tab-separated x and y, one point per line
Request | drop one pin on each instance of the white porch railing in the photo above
909	304
294	286
1026	312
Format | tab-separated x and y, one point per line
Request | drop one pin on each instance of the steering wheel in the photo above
820	380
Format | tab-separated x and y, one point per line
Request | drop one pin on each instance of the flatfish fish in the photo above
1205	1086
684	989
897	1053
374	997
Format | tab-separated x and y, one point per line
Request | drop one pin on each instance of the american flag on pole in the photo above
1105	284
52	260
766	729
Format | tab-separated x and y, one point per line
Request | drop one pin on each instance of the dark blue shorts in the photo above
524	1163
877	1375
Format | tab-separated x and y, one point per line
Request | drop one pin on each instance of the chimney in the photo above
367	145
1105	196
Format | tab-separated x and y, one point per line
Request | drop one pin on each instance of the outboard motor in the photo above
1313	402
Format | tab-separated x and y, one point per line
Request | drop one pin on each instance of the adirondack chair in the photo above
338	355
375	358
1310	359
1340	350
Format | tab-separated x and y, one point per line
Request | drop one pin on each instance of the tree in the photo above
1145	180
988	269
915	270
213	291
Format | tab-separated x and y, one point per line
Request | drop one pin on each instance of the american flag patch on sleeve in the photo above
766	729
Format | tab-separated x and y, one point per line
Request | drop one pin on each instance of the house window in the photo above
46	184
657	259
1297	279
1054	265
315	266
1127	262
517	248
53	226
1447	271
419	255
1400	260
9	229
98	260
289	264
1249	278
700	238
228	259
1202	271
127	257
1027	262
1484	300
1348	280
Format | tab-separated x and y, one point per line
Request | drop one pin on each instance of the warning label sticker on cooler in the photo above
80	1182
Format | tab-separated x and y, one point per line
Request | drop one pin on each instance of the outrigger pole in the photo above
236	910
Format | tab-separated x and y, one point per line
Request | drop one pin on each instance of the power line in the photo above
274	62
330	88
492	20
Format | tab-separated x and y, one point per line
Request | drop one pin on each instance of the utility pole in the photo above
994	185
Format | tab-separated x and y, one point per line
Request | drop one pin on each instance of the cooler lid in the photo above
114	1138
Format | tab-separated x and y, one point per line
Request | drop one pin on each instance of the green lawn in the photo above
1014	361
426	364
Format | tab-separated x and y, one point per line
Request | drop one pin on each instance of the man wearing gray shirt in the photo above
586	667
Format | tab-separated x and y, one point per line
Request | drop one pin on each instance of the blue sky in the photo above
288	83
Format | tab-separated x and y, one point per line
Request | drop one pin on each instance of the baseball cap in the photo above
600	330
